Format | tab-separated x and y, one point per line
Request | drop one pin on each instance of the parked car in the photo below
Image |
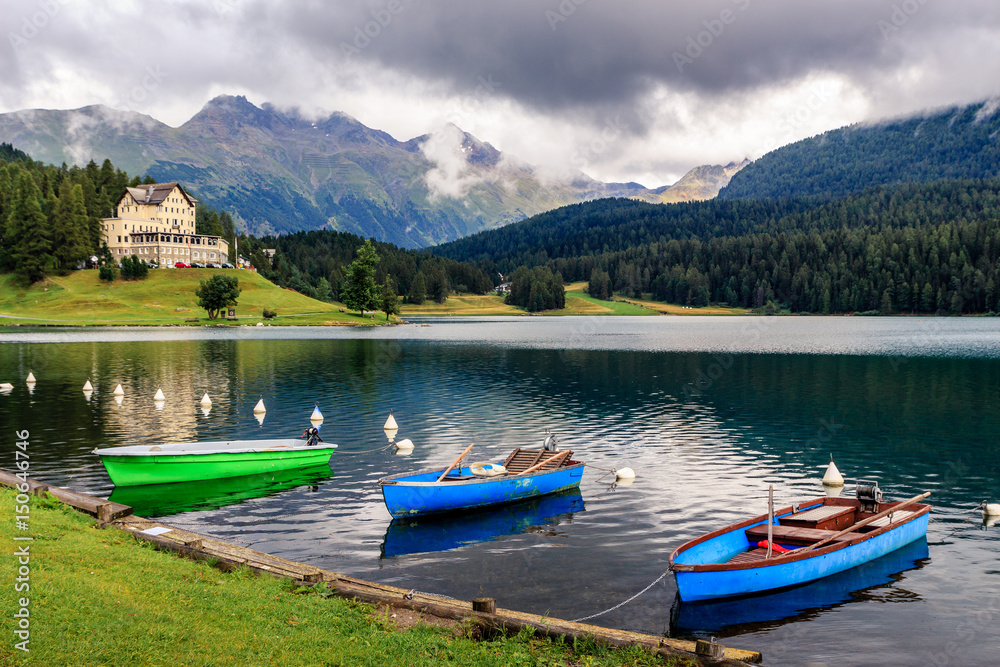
182	265
153	265
197	265
210	265
227	265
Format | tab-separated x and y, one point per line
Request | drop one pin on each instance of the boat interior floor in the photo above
802	535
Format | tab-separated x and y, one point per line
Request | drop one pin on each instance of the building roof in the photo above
155	193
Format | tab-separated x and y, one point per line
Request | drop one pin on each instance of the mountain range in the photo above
278	171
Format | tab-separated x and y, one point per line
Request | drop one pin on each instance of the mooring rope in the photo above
622	604
367	451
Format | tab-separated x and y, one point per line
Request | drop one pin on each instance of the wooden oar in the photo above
546	462
455	463
867	521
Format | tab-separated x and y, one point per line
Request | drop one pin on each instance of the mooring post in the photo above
709	649
484	605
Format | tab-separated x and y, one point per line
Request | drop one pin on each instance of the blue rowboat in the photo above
878	580
481	485
811	540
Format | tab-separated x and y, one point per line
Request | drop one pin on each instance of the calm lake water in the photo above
708	411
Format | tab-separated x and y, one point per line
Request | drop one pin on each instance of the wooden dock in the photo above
227	556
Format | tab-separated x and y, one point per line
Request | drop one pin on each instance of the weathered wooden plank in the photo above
227	556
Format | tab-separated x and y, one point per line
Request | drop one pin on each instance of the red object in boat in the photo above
776	548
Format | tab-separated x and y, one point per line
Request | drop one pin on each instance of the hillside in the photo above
165	297
928	248
960	142
279	171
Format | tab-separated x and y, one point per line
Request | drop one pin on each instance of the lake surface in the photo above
708	411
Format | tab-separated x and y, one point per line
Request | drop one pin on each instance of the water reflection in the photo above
706	434
160	500
876	581
543	514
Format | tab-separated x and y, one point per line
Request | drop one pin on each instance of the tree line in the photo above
928	248
316	264
50	217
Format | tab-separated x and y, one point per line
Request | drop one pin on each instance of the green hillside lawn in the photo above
165	297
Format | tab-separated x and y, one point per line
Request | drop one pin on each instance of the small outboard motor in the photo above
869	495
550	444
311	436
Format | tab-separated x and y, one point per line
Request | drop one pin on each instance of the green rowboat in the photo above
191	461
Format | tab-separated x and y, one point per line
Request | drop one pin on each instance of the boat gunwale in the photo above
394	480
795	555
175	449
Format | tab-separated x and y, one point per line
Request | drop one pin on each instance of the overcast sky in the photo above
622	89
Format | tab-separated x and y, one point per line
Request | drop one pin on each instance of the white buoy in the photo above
833	476
624	481
31	378
119	391
624	473
6	386
259	409
390	423
87	386
990	509
205	400
259	416
87	395
158	396
833	491
316	416
405	445
990	521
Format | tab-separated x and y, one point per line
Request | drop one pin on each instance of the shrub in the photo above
269	314
107	272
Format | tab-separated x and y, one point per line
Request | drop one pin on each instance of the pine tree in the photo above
389	299
70	227
29	246
418	290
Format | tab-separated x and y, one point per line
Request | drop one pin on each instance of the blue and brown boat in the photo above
524	474
796	544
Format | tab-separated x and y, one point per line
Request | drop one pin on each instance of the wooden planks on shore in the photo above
228	556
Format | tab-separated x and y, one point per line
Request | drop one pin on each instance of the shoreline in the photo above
492	622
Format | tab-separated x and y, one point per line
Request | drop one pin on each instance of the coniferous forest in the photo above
929	247
912	248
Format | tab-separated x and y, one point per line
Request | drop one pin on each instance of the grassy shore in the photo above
165	297
99	597
578	302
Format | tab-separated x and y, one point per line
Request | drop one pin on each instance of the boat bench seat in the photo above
522	459
795	535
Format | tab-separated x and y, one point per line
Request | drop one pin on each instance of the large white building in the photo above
157	223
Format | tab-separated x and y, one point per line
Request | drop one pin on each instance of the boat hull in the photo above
160	467
420	493
702	571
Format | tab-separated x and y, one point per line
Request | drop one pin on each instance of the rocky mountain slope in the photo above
279	171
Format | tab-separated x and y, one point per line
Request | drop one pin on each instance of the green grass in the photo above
165	297
99	597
